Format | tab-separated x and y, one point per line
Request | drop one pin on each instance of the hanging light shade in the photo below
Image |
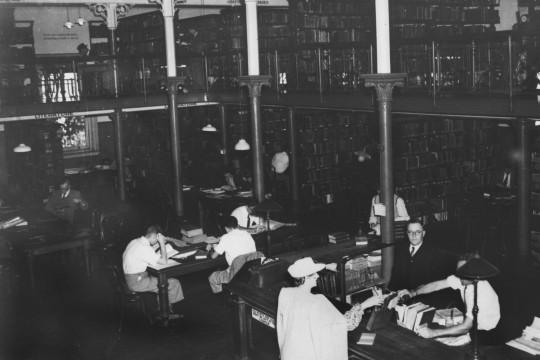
80	20
21	148
242	145
68	23
209	128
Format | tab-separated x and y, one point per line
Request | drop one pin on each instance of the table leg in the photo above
30	258
240	329
163	297
86	256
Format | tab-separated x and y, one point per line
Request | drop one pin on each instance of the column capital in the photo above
255	83
168	6
110	12
384	83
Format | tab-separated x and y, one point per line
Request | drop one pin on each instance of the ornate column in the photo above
110	13
167	8
117	118
293	160
384	84
524	189
224	140
254	84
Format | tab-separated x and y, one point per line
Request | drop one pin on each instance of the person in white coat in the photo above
309	327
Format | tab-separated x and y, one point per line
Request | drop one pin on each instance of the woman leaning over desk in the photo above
309	327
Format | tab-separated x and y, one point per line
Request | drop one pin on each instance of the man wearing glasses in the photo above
418	262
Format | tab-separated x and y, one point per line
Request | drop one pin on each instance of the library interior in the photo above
270	179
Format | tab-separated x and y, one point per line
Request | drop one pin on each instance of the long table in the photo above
175	269
44	234
255	335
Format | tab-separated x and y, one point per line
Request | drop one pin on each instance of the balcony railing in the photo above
482	66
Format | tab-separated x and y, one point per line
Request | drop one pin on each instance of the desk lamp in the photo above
476	269
267	206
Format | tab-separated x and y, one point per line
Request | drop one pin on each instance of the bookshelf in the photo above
439	159
412	19
99	38
327	141
142	34
330	21
535	196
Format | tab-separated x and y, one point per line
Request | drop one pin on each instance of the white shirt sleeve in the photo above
150	256
221	246
372	217
401	210
454	282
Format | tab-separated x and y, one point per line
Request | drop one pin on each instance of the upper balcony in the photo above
496	75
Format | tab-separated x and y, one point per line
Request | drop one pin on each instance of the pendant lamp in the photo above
68	23
242	144
80	20
22	148
209	128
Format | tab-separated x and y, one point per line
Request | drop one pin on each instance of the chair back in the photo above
117	280
111	226
240	260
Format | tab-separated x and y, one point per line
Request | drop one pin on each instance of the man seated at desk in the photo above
238	247
246	219
140	254
63	203
488	303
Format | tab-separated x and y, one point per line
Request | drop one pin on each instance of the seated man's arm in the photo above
161	241
425	289
79	201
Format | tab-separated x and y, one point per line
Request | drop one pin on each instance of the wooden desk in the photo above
45	234
255	336
174	269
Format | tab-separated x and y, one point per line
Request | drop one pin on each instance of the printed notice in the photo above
265	319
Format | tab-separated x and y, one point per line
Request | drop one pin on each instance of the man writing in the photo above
238	247
140	254
63	203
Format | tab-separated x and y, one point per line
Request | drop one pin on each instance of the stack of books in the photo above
530	339
338	237
16	221
192	234
415	316
446	317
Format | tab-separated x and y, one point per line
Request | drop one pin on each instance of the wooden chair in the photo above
108	236
125	297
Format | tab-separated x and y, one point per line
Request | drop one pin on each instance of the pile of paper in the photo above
16	221
530	339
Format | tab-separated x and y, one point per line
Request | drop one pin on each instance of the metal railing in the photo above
492	65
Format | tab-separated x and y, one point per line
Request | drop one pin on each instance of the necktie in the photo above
412	251
248	222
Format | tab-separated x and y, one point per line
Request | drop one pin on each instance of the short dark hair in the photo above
65	181
81	46
230	222
415	221
153	229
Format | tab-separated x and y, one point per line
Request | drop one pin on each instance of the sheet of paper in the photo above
379	210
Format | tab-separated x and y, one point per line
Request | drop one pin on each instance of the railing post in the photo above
319	73
510	75
433	84
277	77
473	65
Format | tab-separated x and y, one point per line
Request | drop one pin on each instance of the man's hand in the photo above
209	247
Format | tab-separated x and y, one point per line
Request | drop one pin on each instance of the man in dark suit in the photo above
63	203
417	262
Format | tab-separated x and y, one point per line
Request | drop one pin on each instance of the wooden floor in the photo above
76	318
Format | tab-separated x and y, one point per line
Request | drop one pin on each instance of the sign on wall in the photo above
50	35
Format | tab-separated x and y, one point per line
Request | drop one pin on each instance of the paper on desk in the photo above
379	210
183	255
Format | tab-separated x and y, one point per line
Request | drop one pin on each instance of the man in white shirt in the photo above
487	300
246	219
400	212
138	255
234	244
